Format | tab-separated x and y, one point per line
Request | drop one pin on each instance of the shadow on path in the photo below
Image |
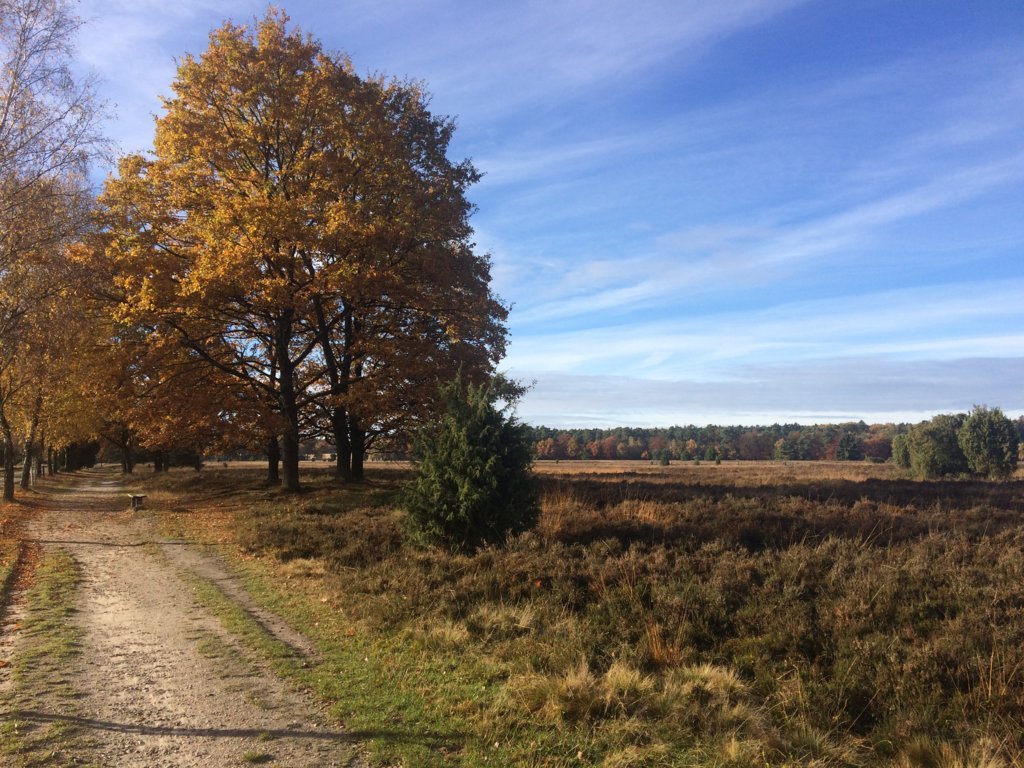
59	542
394	736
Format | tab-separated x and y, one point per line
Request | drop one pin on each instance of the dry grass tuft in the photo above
925	753
303	568
627	691
445	636
659	652
501	622
638	756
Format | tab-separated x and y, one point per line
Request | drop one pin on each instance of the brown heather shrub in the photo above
790	623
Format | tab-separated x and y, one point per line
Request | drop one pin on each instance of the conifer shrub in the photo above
473	483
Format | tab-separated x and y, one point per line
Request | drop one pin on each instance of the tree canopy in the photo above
989	441
301	229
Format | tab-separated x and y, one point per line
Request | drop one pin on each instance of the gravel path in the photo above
162	684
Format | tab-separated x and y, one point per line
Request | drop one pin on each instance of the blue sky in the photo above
739	211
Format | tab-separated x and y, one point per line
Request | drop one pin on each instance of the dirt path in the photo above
161	682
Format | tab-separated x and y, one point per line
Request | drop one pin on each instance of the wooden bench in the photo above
136	499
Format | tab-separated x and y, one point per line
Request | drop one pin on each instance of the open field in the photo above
734	614
735	472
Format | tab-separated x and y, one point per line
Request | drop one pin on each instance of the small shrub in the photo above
473	483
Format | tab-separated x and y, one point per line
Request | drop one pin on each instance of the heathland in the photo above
735	614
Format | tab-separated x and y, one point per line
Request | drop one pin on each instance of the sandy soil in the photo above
162	683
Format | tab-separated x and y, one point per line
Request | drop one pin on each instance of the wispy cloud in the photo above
753	191
938	322
133	46
707	259
711	257
508	56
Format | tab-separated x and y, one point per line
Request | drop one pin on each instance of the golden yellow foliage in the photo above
301	230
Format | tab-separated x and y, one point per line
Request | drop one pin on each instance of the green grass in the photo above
40	670
367	682
655	622
253	757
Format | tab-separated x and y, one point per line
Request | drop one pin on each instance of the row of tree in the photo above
851	441
48	134
932	448
293	260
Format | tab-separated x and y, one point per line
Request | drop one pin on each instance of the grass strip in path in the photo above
411	704
29	736
361	699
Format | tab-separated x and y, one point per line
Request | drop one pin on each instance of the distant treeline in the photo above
853	441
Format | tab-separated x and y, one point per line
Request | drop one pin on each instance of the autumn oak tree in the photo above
301	229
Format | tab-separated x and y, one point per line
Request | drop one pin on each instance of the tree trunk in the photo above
26	466
41	449
357	439
337	377
127	460
290	454
273	461
51	465
30	443
343	459
158	461
289	406
357	435
8	439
